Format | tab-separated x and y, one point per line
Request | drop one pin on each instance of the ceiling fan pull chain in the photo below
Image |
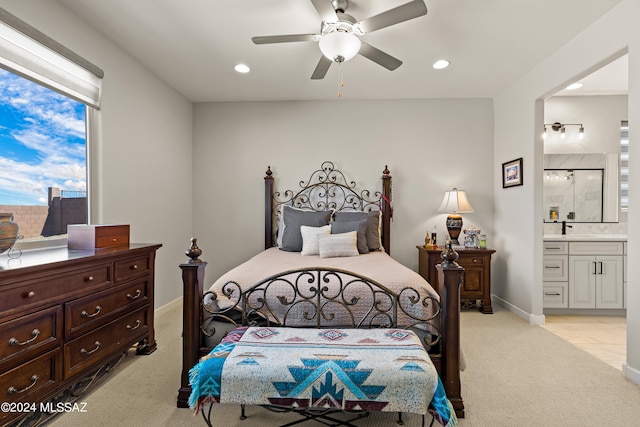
340	79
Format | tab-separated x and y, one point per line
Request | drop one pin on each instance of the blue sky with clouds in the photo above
42	142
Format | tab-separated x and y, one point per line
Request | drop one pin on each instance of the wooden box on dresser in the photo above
64	315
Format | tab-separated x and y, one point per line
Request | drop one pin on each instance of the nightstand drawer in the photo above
470	261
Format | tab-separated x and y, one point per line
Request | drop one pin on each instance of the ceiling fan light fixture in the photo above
340	46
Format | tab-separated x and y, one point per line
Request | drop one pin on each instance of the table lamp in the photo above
455	202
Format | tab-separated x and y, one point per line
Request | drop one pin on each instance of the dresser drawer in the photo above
31	333
53	288
38	376
104	342
132	268
87	312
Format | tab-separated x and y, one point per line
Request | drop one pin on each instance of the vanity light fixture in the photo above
561	127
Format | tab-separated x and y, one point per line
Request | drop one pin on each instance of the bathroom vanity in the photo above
584	271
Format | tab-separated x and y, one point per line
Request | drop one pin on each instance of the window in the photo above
43	157
47	96
624	165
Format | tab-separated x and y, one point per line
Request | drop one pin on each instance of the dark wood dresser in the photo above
477	272
64	314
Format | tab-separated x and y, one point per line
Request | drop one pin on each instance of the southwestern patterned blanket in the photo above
347	369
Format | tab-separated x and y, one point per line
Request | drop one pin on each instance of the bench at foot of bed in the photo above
316	370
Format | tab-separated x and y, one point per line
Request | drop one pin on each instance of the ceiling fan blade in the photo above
379	57
394	16
321	68
284	38
325	10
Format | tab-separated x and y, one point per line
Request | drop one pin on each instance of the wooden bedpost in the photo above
386	209
268	209
192	282
449	281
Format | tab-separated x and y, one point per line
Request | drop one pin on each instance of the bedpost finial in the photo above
268	172
194	251
386	170
449	255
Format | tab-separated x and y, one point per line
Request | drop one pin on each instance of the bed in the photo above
313	279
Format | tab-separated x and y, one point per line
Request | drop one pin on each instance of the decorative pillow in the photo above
310	238
293	219
373	226
338	245
360	227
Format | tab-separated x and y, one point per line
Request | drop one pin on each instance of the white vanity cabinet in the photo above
596	274
555	274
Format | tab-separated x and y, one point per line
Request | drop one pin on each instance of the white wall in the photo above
518	124
429	145
141	162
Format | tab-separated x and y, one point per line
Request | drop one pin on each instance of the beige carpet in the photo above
517	375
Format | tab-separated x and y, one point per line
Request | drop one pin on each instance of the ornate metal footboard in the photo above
321	297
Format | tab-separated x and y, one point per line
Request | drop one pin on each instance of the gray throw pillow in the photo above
293	219
373	224
359	226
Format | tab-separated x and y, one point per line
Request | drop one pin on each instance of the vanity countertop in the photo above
586	237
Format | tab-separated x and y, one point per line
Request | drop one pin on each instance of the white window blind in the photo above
624	165
33	55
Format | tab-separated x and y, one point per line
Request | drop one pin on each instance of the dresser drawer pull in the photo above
85	314
475	260
551	294
551	266
134	267
136	296
13	390
552	247
133	328
86	353
35	333
89	279
30	294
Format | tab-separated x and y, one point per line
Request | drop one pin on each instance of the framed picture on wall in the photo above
512	173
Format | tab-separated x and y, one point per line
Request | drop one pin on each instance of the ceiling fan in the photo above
339	33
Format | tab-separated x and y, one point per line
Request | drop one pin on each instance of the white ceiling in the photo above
193	45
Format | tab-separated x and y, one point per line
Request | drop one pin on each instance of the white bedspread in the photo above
377	266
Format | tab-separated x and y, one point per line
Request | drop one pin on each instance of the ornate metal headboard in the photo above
327	188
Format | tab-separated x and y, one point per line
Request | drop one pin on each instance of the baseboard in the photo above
527	317
631	374
176	303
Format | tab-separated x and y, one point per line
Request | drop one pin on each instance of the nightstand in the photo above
477	272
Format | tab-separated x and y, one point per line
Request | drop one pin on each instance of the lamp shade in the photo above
340	46
455	201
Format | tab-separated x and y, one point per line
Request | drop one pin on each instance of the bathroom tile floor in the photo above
604	337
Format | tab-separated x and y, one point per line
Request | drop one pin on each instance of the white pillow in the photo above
338	245
310	238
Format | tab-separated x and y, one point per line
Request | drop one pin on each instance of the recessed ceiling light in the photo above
574	86
242	68
440	64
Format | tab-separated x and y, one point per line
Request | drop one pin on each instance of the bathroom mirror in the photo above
580	188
